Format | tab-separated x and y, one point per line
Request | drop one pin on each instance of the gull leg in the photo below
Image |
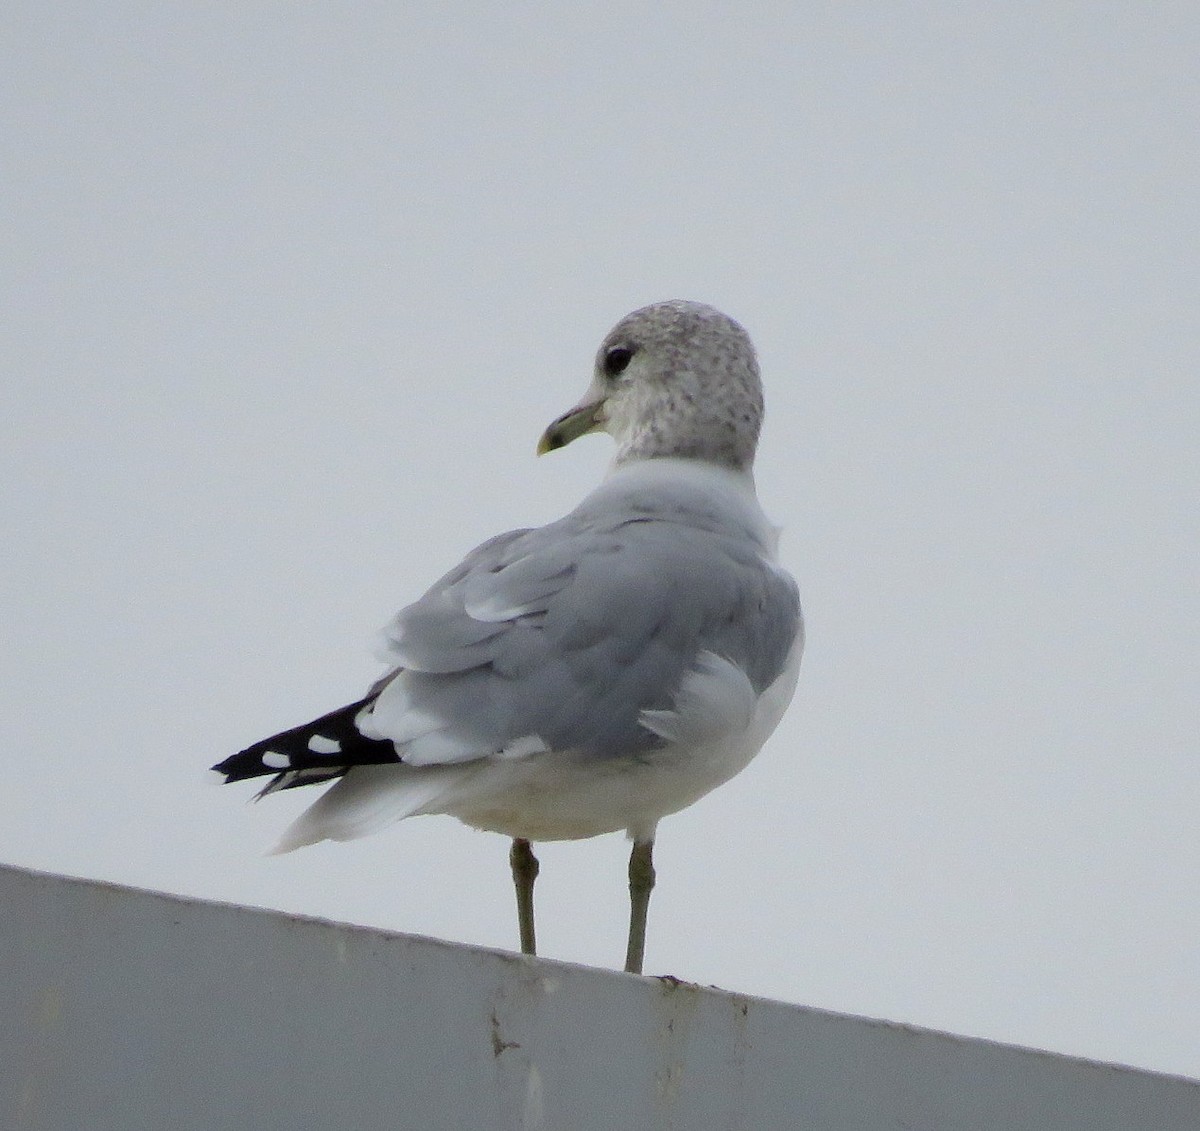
524	870
641	883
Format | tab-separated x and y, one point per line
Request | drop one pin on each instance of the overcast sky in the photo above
290	291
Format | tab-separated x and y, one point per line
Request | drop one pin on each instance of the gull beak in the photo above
587	416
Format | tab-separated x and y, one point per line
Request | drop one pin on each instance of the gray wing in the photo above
560	637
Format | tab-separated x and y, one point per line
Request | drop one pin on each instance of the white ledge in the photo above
124	1009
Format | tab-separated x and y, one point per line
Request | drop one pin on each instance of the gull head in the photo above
672	379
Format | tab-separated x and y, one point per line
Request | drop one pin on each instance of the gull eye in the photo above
616	360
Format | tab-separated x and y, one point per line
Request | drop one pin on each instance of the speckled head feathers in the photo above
681	379
672	379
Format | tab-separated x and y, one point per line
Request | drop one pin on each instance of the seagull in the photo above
596	674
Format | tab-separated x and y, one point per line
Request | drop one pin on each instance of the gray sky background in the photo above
290	291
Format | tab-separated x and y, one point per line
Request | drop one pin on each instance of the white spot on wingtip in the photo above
364	722
273	760
319	744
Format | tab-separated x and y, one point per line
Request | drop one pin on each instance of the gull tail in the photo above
368	798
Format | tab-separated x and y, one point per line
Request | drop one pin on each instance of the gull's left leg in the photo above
524	870
641	883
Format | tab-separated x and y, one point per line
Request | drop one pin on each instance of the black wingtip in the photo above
315	752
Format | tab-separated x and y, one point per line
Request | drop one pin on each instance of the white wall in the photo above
122	1009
